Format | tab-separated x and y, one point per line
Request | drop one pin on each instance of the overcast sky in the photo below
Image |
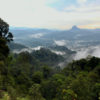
52	14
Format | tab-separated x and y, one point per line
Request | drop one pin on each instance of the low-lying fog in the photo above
85	42
84	52
80	53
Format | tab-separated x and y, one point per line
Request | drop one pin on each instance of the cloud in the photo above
85	16
37	13
82	1
37	35
83	9
83	53
60	42
37	48
58	52
27	49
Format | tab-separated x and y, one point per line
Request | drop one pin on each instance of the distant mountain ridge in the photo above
74	37
73	27
16	46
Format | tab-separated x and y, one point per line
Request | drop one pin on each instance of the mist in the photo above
60	42
37	35
85	52
27	50
58	52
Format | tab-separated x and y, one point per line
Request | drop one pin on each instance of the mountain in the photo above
52	55
15	46
62	49
74	28
73	38
47	57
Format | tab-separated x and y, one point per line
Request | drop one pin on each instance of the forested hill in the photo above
31	76
52	55
16	46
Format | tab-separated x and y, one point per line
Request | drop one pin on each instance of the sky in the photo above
51	14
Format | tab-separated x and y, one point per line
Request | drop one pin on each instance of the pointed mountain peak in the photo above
75	28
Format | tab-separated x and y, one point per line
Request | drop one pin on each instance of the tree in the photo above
4	50
5	36
35	93
68	94
97	91
37	77
47	72
4	31
49	89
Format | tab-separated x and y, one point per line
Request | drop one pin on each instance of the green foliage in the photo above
12	93
68	95
4	31
48	89
27	76
5	96
47	72
4	50
47	57
37	77
35	93
77	81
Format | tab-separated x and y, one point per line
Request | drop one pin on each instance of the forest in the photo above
32	76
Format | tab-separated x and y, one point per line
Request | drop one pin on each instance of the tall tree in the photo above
5	36
4	31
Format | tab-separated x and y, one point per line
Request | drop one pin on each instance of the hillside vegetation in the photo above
32	76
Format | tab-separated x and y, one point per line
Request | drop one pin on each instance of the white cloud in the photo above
83	9
60	42
28	49
92	51
37	35
81	1
35	13
85	15
58	52
37	48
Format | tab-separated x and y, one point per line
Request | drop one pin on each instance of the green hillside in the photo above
36	76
